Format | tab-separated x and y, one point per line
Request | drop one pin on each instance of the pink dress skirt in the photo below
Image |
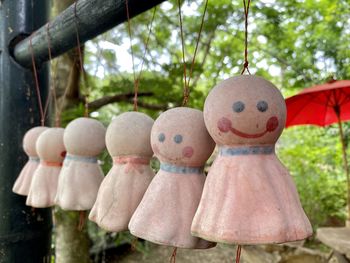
250	198
166	211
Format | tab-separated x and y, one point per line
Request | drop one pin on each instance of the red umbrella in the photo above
323	105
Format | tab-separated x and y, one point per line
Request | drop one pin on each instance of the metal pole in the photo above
25	234
92	17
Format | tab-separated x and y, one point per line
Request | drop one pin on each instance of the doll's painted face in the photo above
179	137
245	110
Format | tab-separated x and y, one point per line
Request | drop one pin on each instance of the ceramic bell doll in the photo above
182	144
24	179
51	151
128	142
81	174
249	196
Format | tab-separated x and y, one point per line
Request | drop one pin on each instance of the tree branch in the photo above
96	104
148	106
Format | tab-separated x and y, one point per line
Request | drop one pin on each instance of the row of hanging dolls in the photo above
248	196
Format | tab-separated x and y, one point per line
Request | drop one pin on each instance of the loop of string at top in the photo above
246	4
42	113
137	79
82	70
186	92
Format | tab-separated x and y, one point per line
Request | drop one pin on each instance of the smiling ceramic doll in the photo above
24	179
81	174
51	151
128	142
249	196
182	144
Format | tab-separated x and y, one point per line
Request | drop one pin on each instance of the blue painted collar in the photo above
84	159
34	159
171	168
247	150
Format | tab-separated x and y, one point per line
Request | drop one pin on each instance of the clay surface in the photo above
128	143
81	174
51	151
182	144
22	184
249	196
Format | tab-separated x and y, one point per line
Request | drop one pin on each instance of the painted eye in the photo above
161	137
262	106
178	138
238	106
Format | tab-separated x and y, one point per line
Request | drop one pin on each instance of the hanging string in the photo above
132	55
173	256
134	244
197	43
42	116
82	70
246	4
238	253
186	82
137	78
147	41
53	88
82	220
186	91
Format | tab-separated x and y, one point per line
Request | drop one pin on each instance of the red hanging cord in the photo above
42	116
137	78
186	92
132	55
197	43
238	253
53	88
82	70
173	256
246	4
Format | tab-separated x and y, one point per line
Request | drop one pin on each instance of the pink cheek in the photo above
224	124
272	124
187	152
63	154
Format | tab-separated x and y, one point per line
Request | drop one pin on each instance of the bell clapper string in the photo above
137	78
82	70
82	220
238	253
53	87
173	255
186	80
246	4
134	243
42	116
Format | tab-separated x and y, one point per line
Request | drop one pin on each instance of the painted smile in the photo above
225	125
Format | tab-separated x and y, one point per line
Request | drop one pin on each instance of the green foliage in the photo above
313	157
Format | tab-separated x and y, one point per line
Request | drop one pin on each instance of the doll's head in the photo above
179	137
50	145
245	110
30	138
85	137
129	134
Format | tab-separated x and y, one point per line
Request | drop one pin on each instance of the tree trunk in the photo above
72	245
